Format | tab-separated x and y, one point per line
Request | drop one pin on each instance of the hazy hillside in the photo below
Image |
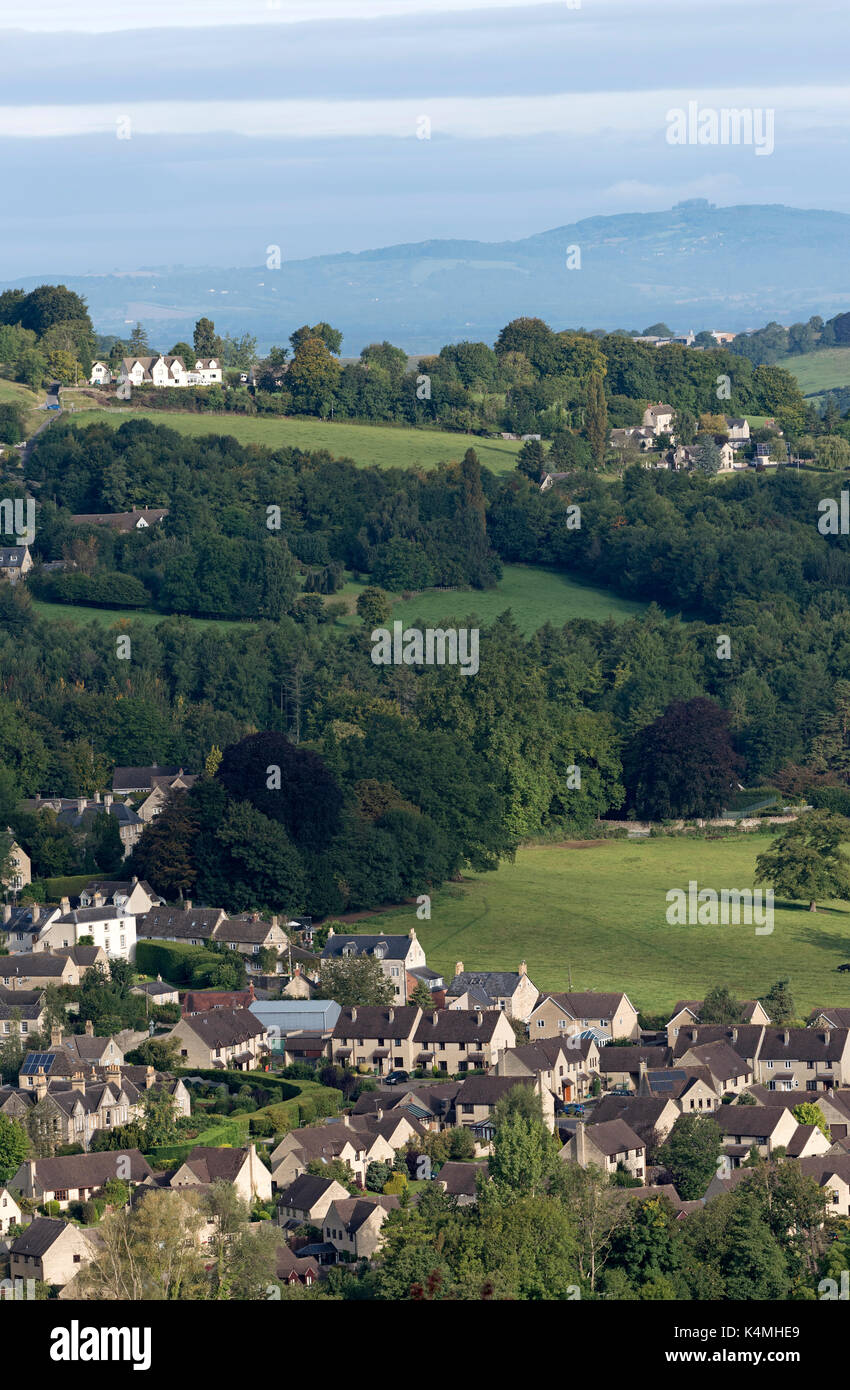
697	266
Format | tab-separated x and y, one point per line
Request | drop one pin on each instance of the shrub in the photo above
262	1126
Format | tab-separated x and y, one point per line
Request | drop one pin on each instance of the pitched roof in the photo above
395	947
305	1191
39	1236
804	1044
216	1165
457	1025
36	963
749	1119
377	1021
837	1018
164	922
489	984
642	1113
587	1004
139	778
353	1212
613	1137
489	1090
617	1059
87	1170
223	1027
460	1178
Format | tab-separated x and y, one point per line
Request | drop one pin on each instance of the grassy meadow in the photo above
819	371
533	594
387	446
598	908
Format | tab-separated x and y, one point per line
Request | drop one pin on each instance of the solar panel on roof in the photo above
38	1059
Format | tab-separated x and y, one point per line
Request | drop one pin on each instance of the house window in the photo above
541	1022
770	1066
61	1195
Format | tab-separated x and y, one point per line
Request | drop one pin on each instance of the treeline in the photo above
774	341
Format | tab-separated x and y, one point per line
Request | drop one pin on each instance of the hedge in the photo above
830	799
173	960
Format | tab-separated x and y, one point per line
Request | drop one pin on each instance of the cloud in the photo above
63	17
581	115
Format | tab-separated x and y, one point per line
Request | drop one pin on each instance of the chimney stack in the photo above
581	1145
7	912
97	900
187	903
97	798
479	1017
354	1014
693	1035
65	904
89	1028
458	967
523	968
81	805
434	1019
78	1081
107	800
390	1015
56	1036
786	1036
734	1035
35	913
150	1077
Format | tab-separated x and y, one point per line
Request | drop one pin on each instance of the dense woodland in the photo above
432	771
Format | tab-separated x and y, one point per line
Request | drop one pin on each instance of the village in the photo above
348	1112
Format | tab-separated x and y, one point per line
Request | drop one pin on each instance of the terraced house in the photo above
227	1039
608	1015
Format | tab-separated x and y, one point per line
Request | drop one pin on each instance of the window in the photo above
25	1027
562	1023
541	1022
770	1066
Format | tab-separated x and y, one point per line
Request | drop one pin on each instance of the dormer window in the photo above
380	951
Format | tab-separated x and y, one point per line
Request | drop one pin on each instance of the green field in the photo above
600	910
820	371
13	393
534	595
108	617
386	446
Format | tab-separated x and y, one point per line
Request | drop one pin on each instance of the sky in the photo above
199	132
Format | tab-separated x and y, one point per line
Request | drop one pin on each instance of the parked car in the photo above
395	1077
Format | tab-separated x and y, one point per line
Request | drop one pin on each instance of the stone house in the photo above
353	1225
396	955
240	1167
378	1038
307	1200
460	1040
228	1039
609	1015
609	1146
513	993
10	1212
77	1177
50	1250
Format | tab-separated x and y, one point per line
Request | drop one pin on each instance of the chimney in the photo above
7	912
81	804
734	1035
134	880
786	1036
390	1015
107	800
581	1145
434	1019
643	1079
150	1077
458	967
523	968
693	1035
98	899
187	903
379	1114
65	904
35	913
89	1028
412	933
354	1015
479	1017
97	797
275	920
78	1081
824	1037
56	1036
41	1084
331	933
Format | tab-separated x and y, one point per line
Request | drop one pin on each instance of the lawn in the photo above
534	595
387	446
820	371
599	911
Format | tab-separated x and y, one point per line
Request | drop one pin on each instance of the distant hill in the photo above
695	266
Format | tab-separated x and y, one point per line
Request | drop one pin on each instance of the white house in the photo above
659	418
101	374
170	371
110	927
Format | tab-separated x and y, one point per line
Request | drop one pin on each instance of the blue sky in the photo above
295	123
